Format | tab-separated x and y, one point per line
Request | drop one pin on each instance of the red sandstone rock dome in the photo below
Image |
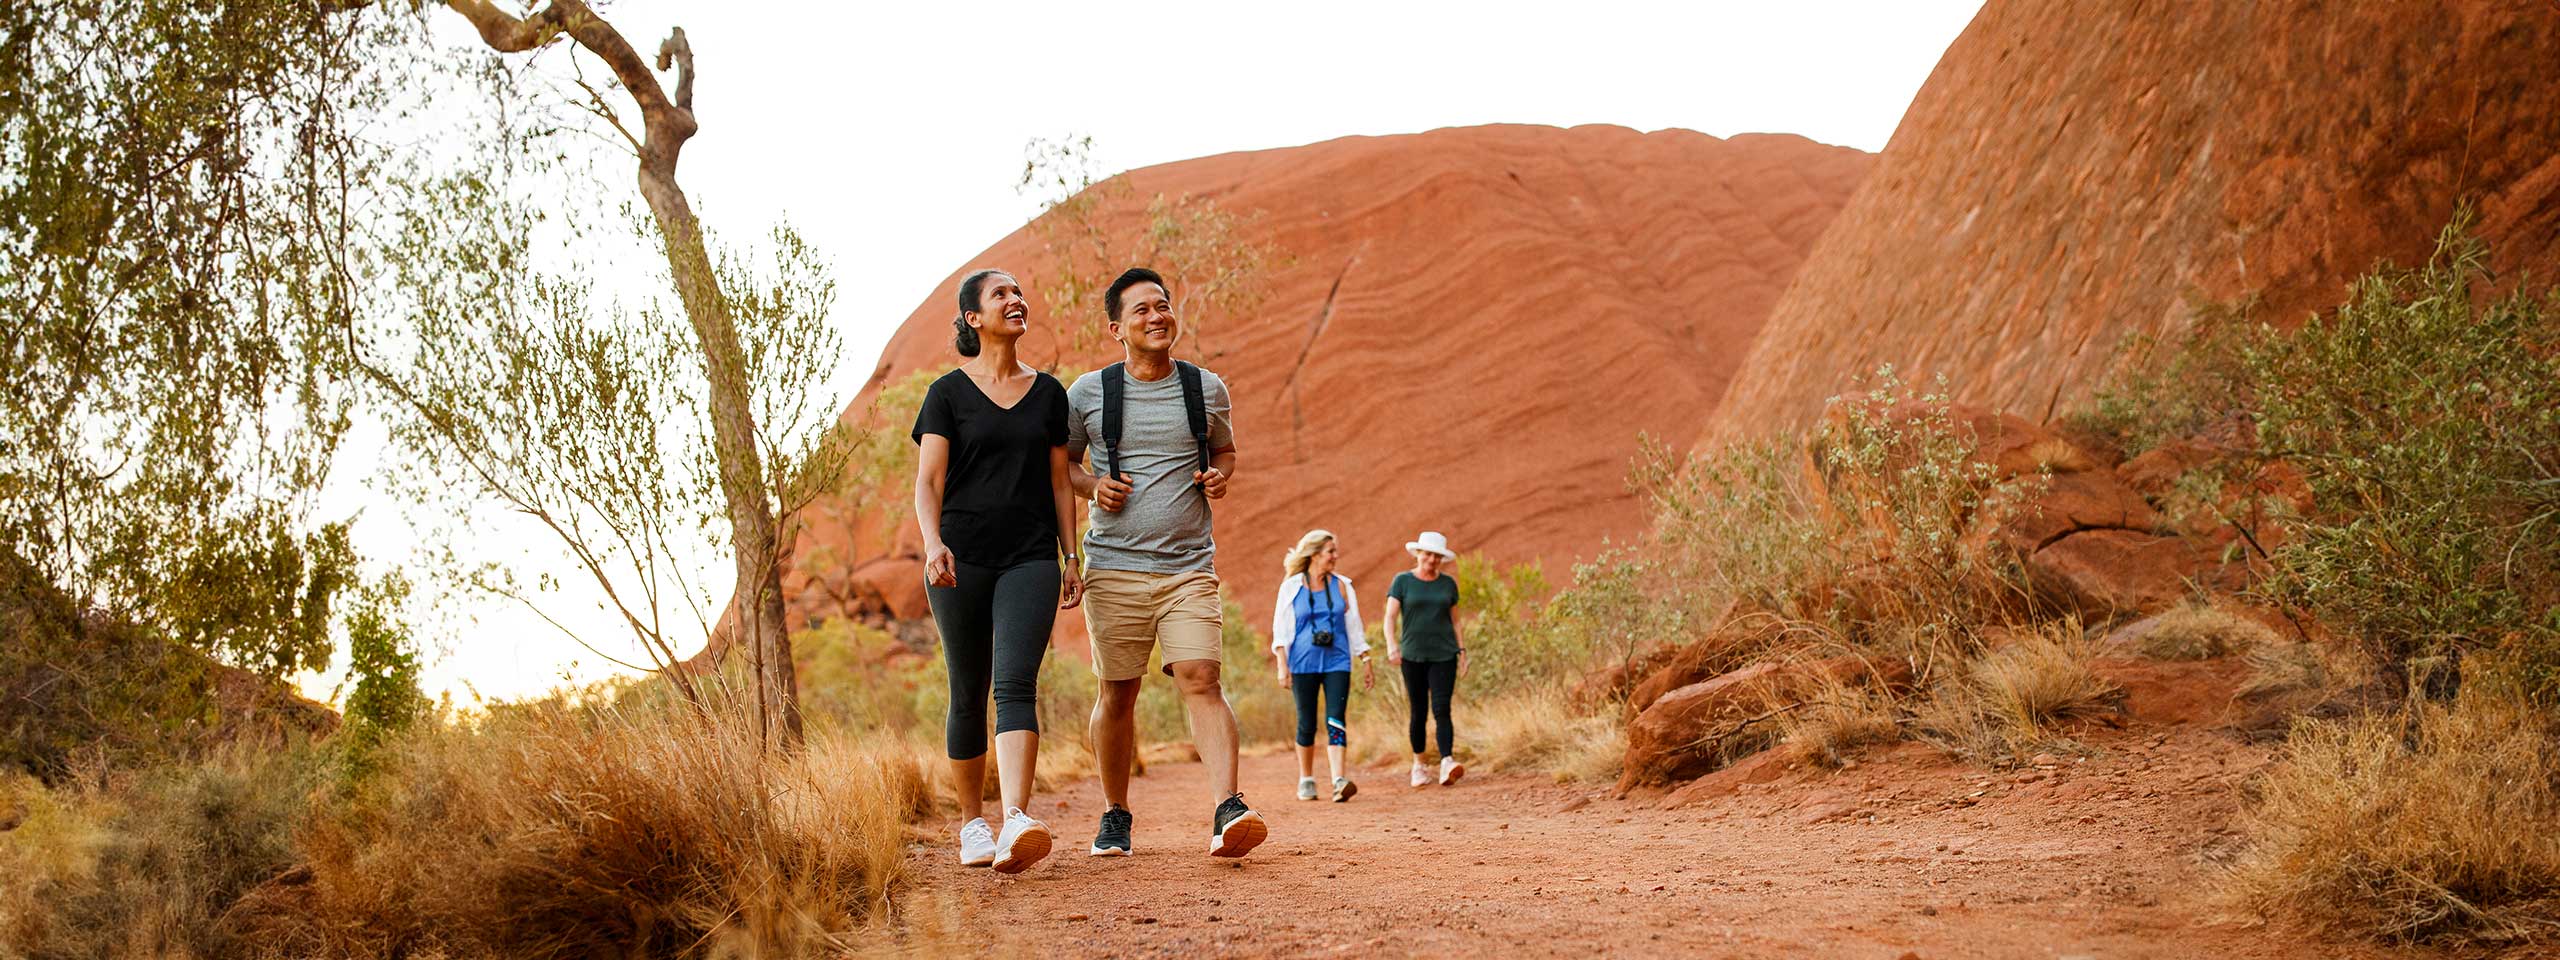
1473	327
2074	173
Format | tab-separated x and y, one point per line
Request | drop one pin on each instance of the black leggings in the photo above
995	627
1430	683
1337	702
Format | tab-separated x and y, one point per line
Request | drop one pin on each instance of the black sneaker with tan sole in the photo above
1235	829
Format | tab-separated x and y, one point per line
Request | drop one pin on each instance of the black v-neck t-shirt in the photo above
997	509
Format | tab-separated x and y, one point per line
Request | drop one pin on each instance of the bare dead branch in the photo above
676	52
505	33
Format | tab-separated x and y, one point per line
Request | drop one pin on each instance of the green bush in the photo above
2426	418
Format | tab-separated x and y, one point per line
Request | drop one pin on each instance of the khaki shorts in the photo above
1130	614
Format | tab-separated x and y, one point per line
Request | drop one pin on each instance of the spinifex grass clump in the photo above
562	829
2442	823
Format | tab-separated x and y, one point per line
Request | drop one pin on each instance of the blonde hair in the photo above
1295	562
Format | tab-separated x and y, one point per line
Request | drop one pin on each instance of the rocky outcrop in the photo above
2074	173
1701	726
1470	331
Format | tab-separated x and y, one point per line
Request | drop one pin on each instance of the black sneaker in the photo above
1113	839
1235	829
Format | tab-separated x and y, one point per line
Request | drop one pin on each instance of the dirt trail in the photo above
1908	853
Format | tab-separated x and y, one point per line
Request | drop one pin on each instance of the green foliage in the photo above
854	677
76	686
2427	421
2167	389
186	219
1205	250
1509	642
383	660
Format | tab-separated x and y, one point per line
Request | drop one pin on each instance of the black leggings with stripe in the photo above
1336	687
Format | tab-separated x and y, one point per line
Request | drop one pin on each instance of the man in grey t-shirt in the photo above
1150	580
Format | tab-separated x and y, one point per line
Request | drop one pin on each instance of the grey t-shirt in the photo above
1164	528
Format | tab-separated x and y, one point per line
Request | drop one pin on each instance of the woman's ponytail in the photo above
964	338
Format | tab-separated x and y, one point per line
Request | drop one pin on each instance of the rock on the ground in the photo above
2108	572
1694	729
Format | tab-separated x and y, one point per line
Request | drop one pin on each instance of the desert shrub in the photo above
561	828
145	863
857	677
2440	822
1839	720
2173	387
2426	419
1869	535
2015	700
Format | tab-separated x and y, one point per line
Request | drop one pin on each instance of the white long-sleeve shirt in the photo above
1284	614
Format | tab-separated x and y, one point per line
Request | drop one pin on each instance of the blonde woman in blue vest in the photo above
1316	636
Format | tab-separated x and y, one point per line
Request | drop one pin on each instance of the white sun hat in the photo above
1432	540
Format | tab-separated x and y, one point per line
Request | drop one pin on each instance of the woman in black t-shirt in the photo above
992	499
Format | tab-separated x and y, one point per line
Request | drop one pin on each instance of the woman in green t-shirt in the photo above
1422	639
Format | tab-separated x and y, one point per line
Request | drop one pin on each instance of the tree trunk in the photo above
756	602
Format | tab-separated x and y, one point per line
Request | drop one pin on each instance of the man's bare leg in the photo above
1213	723
1114	734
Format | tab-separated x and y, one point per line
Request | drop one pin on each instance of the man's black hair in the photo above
1130	278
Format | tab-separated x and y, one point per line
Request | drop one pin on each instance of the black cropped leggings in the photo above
1430	685
1336	687
995	628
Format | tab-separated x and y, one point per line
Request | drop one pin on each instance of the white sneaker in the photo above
1421	774
977	843
1025	841
1451	770
1306	788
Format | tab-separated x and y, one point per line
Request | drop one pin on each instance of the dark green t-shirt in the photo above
1429	635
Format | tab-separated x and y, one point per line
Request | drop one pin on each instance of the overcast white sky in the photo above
892	134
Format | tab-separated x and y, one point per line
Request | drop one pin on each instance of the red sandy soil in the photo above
1472	327
1906	854
2073	173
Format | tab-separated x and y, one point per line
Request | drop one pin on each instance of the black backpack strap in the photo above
1196	405
1115	383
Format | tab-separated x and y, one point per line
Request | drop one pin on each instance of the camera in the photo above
1322	638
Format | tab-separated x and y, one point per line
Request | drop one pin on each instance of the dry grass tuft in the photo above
2200	631
2440	823
1538	731
1838	721
143	864
564	831
2015	699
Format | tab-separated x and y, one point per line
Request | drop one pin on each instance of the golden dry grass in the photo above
554	830
2438	823
2198	630
2015	699
1537	731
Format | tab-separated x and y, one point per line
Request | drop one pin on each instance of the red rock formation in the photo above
2072	173
1474	326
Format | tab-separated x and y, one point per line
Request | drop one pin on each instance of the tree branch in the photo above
678	53
505	33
